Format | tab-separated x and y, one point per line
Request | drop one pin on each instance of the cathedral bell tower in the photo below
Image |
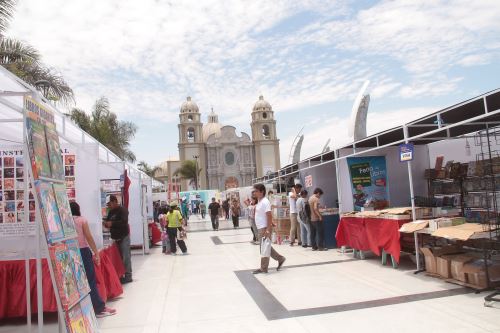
265	138
191	144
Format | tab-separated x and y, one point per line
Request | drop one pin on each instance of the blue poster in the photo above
369	182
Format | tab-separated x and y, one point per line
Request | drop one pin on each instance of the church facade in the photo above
227	159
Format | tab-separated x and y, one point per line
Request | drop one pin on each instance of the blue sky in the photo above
308	59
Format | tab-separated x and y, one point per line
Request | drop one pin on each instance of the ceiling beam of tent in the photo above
12	93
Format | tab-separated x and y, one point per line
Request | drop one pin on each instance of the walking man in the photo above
117	222
317	227
294	224
214	208
203	209
263	221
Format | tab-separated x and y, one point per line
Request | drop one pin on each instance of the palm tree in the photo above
147	169
24	61
188	170
105	127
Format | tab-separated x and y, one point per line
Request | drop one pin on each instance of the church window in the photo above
190	134
265	132
264	115
190	118
229	158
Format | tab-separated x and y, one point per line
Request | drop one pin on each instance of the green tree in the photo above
24	61
188	170
104	126
148	169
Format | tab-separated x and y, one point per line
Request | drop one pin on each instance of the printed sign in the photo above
406	151
308	181
369	182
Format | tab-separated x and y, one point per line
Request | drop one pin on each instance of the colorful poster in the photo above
38	146
12	208
50	213
76	321
63	271
78	268
64	210
89	315
69	160
369	182
54	150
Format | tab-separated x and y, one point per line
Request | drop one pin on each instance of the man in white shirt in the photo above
263	221
294	224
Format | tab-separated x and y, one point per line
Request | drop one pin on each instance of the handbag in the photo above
265	247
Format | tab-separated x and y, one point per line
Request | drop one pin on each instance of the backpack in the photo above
307	208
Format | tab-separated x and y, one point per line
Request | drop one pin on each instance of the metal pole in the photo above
339	187
27	255
410	177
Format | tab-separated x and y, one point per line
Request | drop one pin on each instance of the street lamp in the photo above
196	171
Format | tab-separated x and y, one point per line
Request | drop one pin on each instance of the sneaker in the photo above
315	249
173	254
185	253
106	312
323	249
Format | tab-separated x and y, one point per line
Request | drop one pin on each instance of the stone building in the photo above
228	159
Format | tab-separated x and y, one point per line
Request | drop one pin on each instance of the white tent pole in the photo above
410	176
27	253
339	187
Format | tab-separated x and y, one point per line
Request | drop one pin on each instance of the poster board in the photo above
12	187
369	182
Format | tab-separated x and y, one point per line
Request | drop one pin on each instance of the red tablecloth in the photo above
13	285
370	234
155	233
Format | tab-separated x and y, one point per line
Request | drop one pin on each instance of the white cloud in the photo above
147	56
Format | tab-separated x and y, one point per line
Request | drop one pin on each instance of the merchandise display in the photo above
38	146
64	275
54	151
50	217
70	279
78	268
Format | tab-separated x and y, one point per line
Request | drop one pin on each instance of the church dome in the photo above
212	127
189	106
262	105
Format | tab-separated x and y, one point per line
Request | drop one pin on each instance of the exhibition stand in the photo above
80	171
403	167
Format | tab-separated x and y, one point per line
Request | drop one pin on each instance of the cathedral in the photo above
227	159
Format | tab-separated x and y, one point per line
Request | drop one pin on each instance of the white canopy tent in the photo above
93	163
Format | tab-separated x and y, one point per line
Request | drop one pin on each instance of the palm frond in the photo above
6	11
13	50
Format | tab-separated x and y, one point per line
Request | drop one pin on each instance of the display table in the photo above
370	234
13	285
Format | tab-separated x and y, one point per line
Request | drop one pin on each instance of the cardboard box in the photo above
443	266
476	274
457	263
460	232
431	254
413	226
